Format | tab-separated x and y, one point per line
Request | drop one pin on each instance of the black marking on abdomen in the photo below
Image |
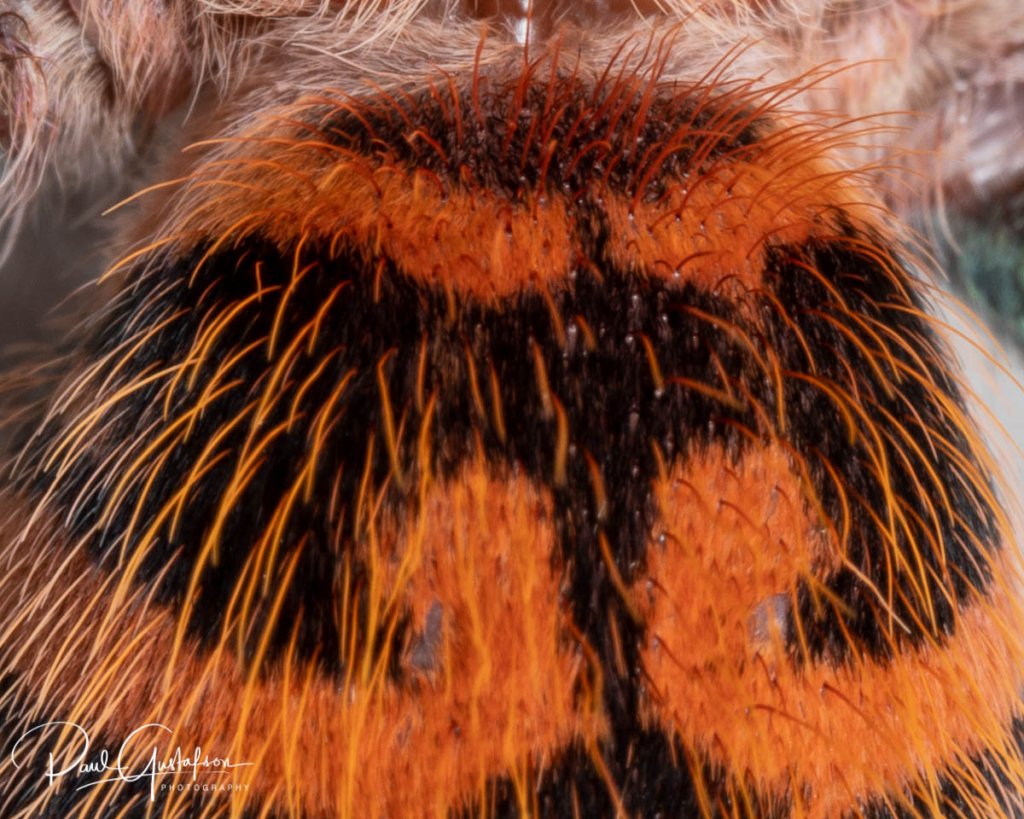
614	411
653	778
614	415
959	536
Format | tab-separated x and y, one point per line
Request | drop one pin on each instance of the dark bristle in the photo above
635	139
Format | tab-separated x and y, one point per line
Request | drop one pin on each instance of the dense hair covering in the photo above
505	410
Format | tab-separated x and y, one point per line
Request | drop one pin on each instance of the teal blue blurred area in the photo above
981	253
983	256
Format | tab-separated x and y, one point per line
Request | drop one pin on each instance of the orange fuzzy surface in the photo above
493	694
718	595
